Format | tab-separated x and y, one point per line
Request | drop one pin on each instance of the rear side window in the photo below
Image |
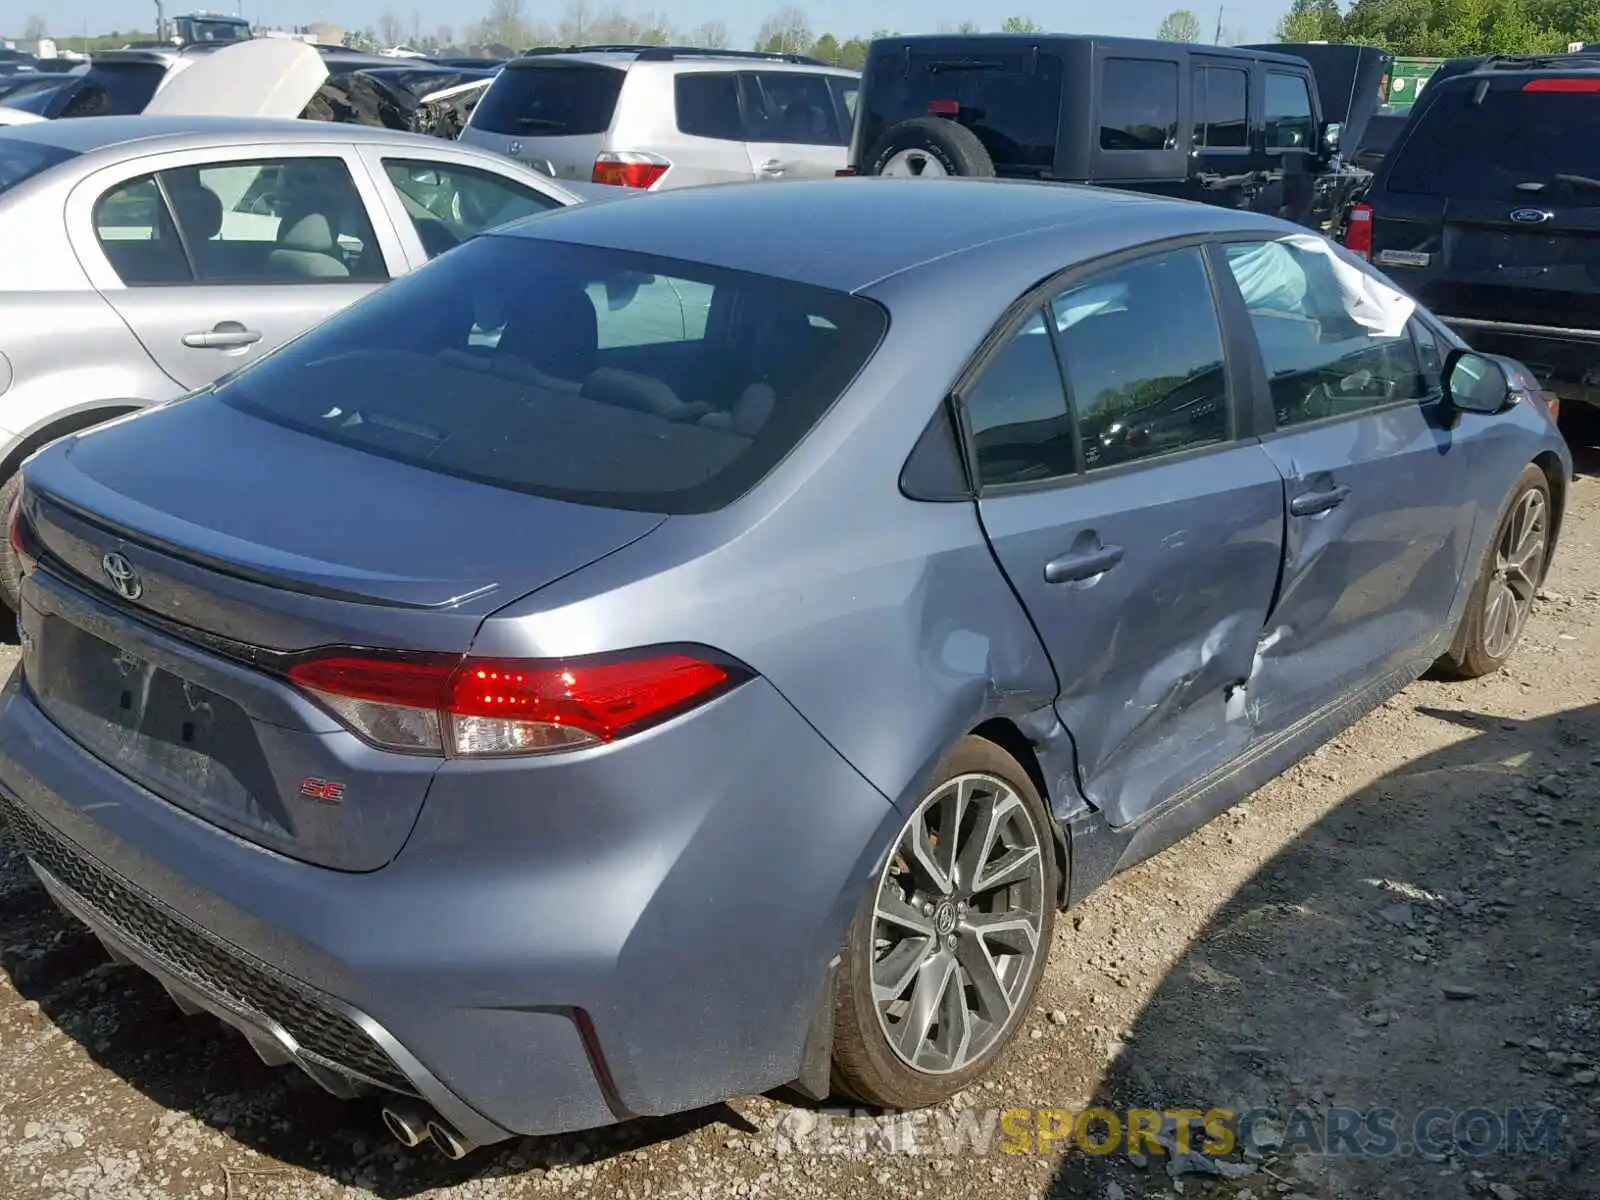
1221	108
1288	113
1011	101
1142	348
1138	104
598	376
791	106
21	161
136	231
124	88
708	105
550	99
1490	150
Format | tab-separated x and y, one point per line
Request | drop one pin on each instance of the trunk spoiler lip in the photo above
237	570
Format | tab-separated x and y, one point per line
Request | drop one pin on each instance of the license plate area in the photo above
182	741
1491	250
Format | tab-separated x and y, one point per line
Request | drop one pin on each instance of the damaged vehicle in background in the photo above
357	88
176	249
771	647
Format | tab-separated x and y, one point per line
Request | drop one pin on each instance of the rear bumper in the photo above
645	933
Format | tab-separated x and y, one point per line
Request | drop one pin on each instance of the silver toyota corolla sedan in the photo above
147	256
545	712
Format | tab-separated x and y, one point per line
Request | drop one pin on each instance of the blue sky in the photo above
1250	19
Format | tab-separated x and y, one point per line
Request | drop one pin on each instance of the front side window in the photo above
1288	113
1142	347
577	372
1221	108
1138	104
1321	360
449	203
293	220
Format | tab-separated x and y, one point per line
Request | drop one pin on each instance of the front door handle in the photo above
772	167
225	335
1074	568
1309	504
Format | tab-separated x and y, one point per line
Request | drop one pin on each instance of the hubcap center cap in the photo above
944	918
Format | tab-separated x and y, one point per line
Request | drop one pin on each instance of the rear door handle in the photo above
225	335
1074	568
1309	504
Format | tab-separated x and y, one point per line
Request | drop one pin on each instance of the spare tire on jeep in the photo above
928	148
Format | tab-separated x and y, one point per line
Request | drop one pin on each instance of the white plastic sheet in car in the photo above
16	116
266	77
1271	278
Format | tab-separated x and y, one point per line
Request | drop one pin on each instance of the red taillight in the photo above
845	173
17	535
476	707
1358	231
944	108
621	168
1581	84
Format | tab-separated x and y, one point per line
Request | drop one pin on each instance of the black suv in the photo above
1487	209
1234	126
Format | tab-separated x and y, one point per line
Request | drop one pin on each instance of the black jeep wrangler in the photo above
1241	127
1487	209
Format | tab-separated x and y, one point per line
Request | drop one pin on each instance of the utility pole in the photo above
161	22
1217	39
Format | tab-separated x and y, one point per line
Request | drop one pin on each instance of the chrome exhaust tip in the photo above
450	1142
408	1123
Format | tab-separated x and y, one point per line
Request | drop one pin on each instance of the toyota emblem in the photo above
124	579
1531	216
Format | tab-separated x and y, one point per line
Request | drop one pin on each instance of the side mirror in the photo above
1475	383
1331	133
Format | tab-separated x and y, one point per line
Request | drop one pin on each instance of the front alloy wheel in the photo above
941	968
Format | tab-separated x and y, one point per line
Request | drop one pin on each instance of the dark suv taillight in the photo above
17	535
1358	231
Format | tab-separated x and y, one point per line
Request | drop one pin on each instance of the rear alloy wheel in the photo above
1503	597
944	958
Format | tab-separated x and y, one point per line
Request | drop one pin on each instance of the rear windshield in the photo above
1011	101
1485	151
597	376
550	100
21	161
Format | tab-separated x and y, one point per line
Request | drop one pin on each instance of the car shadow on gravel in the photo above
121	1020
1434	943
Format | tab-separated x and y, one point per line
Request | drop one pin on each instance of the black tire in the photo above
955	148
1471	654
10	570
865	1066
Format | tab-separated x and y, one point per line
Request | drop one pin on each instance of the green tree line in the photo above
1446	28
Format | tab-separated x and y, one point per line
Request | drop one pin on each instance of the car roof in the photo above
1496	66
624	57
869	229
87	135
895	43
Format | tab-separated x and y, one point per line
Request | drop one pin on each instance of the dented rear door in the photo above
1140	531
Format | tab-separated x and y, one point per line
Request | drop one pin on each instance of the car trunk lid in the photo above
175	676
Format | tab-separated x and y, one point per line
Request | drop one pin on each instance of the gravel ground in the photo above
1406	920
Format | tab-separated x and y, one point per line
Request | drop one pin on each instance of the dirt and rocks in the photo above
1406	921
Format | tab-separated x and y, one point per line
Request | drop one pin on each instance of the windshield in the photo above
21	161
597	376
203	29
1485	151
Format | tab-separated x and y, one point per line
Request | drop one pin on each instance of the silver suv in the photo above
667	117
